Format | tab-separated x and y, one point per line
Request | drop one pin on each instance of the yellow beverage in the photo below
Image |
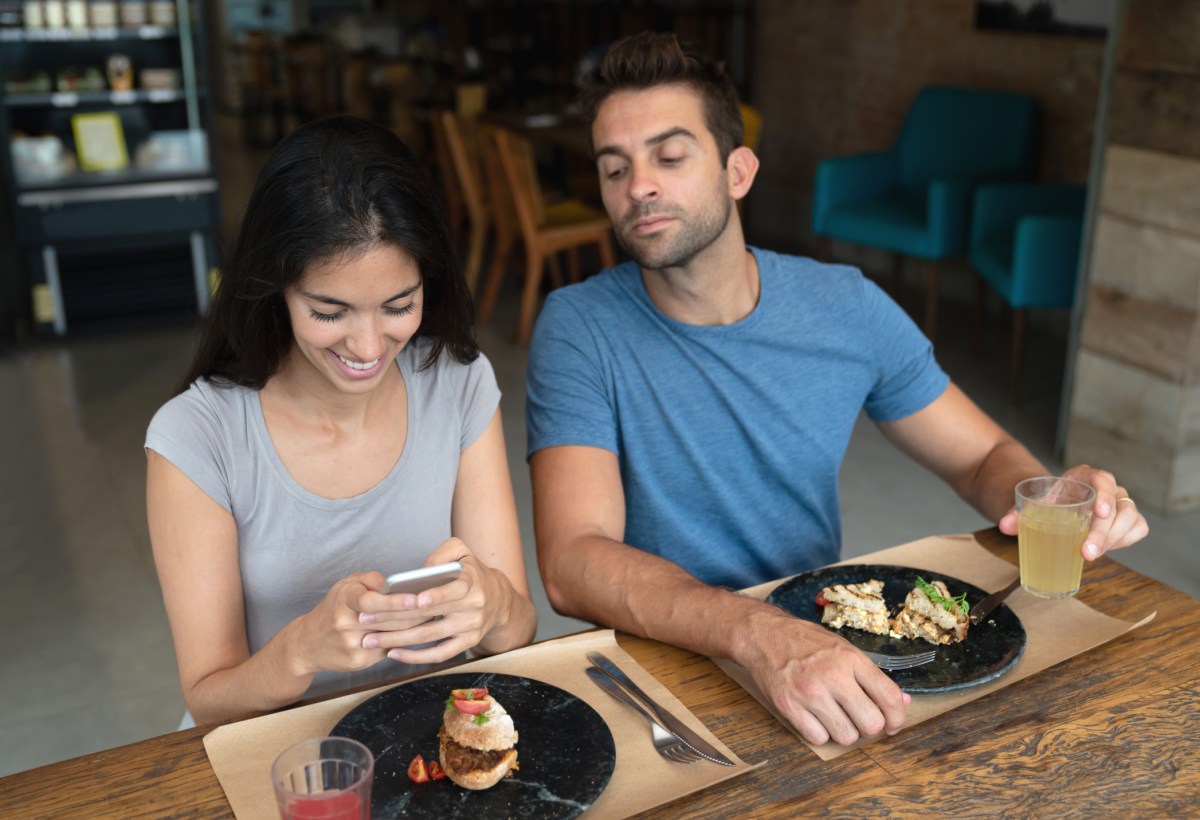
1049	539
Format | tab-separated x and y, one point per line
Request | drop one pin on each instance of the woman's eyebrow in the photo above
329	300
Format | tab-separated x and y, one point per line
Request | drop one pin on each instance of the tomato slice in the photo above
435	770
821	599
472	707
417	772
468	694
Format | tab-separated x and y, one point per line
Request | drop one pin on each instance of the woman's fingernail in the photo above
394	655
366	617
1105	508
370	641
1091	551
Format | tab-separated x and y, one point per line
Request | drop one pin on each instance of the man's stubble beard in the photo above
693	237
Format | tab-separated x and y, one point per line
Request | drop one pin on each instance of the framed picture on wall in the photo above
1079	18
100	141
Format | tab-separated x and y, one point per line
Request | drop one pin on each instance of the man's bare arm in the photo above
821	683
961	444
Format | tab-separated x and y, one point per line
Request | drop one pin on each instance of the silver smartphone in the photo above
423	578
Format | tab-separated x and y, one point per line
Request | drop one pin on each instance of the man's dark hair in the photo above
649	59
331	189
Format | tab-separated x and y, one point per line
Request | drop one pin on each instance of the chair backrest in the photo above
967	133
466	166
752	122
447	172
500	196
516	158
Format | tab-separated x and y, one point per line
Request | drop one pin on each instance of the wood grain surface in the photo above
1110	732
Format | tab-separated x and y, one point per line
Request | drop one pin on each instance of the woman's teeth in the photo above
358	365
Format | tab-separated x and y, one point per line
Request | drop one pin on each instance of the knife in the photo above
984	608
673	724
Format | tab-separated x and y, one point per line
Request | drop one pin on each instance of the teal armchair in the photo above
1025	244
915	199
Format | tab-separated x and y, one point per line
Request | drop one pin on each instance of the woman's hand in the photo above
330	636
458	615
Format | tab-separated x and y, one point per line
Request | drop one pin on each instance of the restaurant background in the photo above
91	665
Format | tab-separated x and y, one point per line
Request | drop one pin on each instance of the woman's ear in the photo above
742	167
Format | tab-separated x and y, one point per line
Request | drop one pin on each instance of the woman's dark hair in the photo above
332	187
649	59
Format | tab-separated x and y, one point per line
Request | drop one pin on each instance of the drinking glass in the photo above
324	778
1054	515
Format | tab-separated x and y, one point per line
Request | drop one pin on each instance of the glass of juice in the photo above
1053	517
324	778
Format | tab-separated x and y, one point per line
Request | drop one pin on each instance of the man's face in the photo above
661	176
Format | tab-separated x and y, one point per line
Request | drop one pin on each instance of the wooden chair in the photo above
543	230
456	207
460	173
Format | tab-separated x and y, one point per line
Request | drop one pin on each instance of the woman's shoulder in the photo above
445	366
204	402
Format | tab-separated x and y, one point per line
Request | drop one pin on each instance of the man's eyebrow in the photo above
329	300
657	139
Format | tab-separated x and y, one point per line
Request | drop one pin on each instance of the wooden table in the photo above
1109	733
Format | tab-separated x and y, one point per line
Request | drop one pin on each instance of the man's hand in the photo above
820	682
1116	522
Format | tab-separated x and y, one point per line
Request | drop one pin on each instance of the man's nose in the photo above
643	183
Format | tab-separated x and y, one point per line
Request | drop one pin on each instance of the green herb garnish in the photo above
449	703
935	595
480	719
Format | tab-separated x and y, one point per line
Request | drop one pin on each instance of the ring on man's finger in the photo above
1126	498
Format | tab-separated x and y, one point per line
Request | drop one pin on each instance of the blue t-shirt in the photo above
729	438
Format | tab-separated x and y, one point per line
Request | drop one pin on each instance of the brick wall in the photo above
837	76
1135	405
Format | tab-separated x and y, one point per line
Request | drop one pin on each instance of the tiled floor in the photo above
86	661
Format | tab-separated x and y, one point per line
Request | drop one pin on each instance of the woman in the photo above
338	424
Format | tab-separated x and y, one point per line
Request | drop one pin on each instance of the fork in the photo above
665	743
896	662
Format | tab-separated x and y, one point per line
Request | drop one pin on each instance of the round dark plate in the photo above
990	649
565	752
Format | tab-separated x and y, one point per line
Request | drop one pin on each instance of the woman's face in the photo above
352	315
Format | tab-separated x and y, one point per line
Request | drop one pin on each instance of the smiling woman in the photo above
338	423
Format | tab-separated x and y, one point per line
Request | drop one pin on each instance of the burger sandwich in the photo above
477	740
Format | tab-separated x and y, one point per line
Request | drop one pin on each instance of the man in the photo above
689	411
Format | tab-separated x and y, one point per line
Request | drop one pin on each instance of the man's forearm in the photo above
991	490
610	583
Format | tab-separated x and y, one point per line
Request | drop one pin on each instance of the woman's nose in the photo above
366	340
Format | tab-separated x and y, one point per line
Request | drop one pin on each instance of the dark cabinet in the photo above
108	165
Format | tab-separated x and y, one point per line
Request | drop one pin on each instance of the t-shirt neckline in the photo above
313	499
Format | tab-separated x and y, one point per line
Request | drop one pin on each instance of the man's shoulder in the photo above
806	272
605	300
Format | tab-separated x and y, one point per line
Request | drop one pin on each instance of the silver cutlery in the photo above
984	608
673	724
894	662
667	745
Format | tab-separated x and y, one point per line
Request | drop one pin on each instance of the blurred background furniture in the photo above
543	229
752	122
1024	243
915	198
460	170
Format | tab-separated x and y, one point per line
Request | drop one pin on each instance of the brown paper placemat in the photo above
241	753
1055	629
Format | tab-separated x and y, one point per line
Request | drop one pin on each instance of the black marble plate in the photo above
990	650
565	751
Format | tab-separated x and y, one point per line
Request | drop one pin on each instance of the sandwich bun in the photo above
476	750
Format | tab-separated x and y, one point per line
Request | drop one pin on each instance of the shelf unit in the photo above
132	239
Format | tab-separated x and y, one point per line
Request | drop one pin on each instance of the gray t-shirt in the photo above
292	544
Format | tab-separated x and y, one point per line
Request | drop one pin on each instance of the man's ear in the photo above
742	167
